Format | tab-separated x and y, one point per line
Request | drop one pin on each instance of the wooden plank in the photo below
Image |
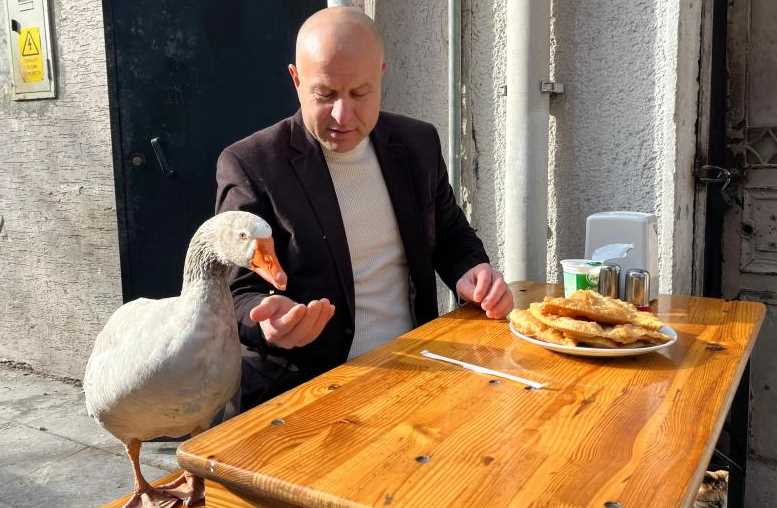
392	427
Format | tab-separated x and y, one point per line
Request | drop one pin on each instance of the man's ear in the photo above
383	67
294	75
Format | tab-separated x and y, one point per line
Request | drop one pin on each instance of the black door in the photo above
186	80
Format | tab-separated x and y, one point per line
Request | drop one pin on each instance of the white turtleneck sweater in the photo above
380	272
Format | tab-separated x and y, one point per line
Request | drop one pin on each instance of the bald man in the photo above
361	211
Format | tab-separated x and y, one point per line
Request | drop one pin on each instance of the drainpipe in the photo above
526	140
454	96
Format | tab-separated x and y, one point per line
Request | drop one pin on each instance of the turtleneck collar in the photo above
352	155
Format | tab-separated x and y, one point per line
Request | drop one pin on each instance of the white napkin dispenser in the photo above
637	228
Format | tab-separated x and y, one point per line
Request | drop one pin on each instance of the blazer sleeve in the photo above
235	191
458	247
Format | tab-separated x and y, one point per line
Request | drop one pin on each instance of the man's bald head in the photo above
336	30
338	73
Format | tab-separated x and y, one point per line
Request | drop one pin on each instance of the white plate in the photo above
597	351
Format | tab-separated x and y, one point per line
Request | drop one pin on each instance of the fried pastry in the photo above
580	329
525	323
587	318
590	305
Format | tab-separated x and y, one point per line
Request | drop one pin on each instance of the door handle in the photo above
715	174
160	158
709	174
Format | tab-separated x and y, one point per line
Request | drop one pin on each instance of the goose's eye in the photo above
243	236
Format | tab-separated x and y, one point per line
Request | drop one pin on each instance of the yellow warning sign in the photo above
31	57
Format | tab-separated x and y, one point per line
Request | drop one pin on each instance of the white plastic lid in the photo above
580	265
623	215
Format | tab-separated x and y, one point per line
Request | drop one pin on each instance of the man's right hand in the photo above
288	324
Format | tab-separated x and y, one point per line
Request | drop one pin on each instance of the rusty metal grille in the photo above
761	147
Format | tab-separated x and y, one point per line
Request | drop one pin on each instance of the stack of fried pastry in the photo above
587	318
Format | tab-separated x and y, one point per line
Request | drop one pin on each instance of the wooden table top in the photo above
394	428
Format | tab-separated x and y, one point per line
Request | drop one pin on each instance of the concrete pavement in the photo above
53	454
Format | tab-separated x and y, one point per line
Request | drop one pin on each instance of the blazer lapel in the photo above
394	164
312	172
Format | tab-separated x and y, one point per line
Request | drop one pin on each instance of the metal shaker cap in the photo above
610	280
637	287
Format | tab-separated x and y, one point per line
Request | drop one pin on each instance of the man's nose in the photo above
341	111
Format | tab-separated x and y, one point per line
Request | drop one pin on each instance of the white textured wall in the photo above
622	137
623	134
416	44
484	50
59	256
604	152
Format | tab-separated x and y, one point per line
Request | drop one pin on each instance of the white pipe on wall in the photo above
526	140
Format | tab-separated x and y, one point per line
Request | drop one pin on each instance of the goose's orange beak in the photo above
265	263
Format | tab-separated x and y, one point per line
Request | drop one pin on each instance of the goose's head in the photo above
245	240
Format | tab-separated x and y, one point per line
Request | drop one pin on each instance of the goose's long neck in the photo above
202	269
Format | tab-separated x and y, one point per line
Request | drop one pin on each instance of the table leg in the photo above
739	441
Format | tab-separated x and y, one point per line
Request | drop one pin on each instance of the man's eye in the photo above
324	96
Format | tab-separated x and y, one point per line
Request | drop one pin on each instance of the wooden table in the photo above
395	429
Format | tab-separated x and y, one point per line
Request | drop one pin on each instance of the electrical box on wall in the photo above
29	49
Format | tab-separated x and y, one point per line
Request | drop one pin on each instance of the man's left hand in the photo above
484	285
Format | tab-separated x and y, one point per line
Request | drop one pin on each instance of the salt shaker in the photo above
609	280
638	288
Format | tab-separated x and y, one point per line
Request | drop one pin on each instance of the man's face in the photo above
339	94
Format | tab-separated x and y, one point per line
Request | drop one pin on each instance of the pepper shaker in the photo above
609	280
637	288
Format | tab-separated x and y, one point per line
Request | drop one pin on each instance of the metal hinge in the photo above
551	87
715	174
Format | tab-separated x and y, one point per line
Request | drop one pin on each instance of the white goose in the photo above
166	367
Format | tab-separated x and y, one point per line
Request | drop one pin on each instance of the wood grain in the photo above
393	428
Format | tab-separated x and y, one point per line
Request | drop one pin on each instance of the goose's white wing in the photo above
162	367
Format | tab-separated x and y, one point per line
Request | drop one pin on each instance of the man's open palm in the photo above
288	324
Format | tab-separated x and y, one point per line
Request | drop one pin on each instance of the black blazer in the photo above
280	174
